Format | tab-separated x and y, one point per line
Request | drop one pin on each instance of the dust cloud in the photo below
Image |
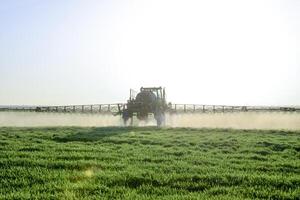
32	119
290	121
255	120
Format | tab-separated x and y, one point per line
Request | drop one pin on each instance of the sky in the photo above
234	52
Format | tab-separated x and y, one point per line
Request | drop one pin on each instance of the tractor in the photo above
149	101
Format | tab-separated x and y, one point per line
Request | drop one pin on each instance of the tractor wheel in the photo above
160	119
126	116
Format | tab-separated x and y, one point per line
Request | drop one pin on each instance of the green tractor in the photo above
150	100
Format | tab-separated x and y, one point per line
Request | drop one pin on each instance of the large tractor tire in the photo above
126	115
160	119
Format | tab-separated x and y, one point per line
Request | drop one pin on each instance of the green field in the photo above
148	163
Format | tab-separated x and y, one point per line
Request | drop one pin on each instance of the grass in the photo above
148	163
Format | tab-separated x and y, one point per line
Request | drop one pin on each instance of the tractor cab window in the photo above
158	95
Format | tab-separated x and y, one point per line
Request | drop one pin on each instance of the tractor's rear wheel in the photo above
160	119
126	116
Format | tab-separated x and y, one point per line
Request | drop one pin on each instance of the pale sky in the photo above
233	52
